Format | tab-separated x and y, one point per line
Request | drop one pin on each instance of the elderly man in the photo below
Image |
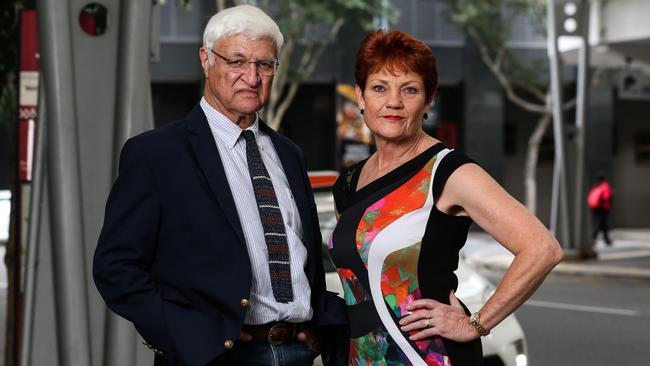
211	244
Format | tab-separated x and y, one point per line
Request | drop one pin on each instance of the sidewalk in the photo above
629	255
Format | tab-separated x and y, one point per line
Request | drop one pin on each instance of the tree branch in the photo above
501	78
535	91
532	157
286	102
308	63
569	104
281	73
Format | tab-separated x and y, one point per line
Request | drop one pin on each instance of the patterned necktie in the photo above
272	222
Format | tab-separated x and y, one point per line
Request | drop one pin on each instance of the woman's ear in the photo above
359	93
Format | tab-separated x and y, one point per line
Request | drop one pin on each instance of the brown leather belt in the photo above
275	333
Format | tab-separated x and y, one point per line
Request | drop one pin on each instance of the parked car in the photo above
506	344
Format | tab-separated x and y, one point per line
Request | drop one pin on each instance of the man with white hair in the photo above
211	244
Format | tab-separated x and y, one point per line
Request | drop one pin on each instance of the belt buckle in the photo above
277	335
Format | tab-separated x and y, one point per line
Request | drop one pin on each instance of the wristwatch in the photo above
475	321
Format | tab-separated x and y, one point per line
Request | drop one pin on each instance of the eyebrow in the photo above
384	81
239	54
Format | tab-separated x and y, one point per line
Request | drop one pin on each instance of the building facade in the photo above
471	108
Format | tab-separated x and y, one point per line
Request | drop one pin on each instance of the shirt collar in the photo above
223	128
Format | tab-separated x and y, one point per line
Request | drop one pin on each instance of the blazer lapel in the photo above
294	174
207	155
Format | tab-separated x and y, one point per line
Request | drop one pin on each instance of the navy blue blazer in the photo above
171	256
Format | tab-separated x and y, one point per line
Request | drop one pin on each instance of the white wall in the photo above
624	20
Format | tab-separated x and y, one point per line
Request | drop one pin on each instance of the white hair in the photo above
242	19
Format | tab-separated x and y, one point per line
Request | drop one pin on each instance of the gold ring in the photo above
427	322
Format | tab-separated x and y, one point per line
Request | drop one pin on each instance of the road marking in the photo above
624	255
602	270
587	308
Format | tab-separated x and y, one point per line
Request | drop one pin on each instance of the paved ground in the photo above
629	255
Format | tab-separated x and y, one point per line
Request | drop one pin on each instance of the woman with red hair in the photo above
404	213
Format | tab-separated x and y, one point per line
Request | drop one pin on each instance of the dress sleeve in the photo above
452	161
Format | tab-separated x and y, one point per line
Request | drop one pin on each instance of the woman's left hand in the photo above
430	318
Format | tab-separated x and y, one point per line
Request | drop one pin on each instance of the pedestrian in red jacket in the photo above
600	202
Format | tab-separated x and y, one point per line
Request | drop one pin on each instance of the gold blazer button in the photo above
228	344
244	303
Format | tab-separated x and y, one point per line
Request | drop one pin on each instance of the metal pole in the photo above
555	199
33	237
559	181
68	257
581	110
132	72
133	102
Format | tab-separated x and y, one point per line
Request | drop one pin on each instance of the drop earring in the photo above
425	116
361	110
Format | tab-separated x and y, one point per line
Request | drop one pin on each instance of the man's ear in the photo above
204	58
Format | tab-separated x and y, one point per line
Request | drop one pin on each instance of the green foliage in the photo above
185	4
309	27
315	13
489	23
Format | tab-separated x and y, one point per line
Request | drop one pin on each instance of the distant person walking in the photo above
600	202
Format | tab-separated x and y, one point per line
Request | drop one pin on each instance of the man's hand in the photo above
308	337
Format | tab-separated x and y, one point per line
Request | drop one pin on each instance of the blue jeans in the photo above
258	352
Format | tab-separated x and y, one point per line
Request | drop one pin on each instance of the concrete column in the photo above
132	110
66	218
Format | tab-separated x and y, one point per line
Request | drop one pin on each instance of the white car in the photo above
5	209
506	344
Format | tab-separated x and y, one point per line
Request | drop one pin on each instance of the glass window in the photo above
405	22
427	20
181	25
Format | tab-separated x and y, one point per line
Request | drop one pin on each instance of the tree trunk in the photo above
532	155
308	61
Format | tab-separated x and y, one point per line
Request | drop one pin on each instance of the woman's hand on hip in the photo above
430	318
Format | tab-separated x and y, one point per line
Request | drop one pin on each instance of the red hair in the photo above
396	50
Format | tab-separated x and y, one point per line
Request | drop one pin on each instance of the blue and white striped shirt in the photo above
232	151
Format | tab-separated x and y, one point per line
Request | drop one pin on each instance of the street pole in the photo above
582	97
559	206
68	253
133	81
571	20
34	230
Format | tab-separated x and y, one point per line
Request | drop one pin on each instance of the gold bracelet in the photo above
475	321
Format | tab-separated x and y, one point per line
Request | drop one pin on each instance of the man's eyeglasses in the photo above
264	67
